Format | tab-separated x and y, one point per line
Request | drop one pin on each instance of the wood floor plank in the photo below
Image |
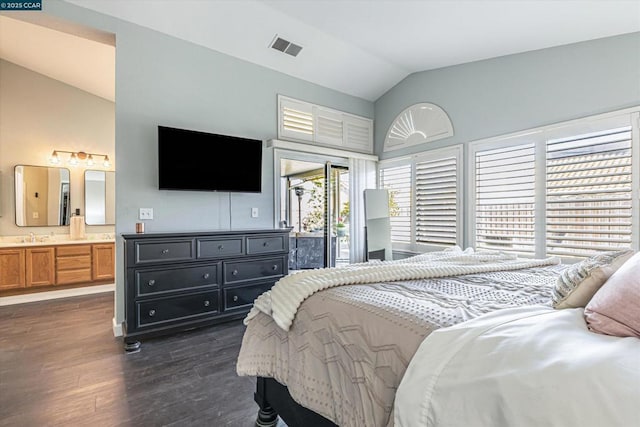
61	366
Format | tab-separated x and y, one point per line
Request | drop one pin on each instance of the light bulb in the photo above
90	160
106	162
54	158
73	160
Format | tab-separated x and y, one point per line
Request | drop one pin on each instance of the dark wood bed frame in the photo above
274	400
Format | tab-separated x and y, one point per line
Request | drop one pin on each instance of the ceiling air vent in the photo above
286	46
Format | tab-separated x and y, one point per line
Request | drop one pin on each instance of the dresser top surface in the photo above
207	233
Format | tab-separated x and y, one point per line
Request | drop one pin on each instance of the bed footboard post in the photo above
267	416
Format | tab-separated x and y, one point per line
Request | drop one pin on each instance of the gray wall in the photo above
516	92
167	81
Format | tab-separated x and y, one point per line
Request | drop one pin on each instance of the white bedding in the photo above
527	366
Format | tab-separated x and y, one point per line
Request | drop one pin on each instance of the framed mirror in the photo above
42	196
99	197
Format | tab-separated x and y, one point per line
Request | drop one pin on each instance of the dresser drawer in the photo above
219	248
170	250
262	245
72	250
176	308
149	282
243	296
242	271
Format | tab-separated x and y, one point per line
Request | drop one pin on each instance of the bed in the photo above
331	347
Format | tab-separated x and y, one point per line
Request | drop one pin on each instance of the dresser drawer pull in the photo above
220	247
234	272
275	267
235	298
205	276
152	313
165	251
152	282
206	303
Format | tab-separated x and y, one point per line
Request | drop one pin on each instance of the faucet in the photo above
32	237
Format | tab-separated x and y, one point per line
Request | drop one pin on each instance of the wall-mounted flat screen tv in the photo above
200	161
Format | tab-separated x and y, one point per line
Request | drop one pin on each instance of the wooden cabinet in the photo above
12	268
73	264
40	266
35	266
103	266
178	281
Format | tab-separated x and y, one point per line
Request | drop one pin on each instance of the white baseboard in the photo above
117	328
63	293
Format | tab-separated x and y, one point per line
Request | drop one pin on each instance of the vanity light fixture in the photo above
76	156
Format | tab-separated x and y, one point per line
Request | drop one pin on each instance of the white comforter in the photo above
527	366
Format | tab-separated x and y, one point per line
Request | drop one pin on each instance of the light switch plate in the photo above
254	212
145	213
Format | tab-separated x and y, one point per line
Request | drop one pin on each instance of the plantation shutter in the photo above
328	126
296	119
437	201
505	199
398	181
589	193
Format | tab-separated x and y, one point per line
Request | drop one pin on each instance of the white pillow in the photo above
579	283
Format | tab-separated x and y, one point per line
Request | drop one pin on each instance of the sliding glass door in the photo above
314	200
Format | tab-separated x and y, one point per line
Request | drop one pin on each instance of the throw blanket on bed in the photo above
526	366
288	293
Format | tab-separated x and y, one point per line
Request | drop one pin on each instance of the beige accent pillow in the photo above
579	283
615	308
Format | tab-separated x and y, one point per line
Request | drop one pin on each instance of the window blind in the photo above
437	201
588	193
505	199
297	121
398	181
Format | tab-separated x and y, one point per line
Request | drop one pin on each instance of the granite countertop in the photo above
16	241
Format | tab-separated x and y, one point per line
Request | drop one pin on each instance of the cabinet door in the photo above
12	268
40	266
103	262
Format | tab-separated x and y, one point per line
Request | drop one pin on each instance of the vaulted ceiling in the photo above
359	47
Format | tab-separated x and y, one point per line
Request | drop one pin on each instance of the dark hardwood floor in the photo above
61	366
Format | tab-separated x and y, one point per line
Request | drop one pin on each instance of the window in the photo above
566	190
589	193
303	121
398	181
425	199
505	199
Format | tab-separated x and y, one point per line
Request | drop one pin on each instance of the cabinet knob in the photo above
205	275
265	244
220	247
206	303
234	272
235	297
152	282
165	251
152	313
275	267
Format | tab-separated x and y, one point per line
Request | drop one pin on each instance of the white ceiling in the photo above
364	48
359	47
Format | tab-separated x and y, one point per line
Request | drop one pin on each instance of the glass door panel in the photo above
314	200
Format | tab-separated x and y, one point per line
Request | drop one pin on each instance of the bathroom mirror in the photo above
99	197
42	196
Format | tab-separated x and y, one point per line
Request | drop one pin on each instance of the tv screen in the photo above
191	160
